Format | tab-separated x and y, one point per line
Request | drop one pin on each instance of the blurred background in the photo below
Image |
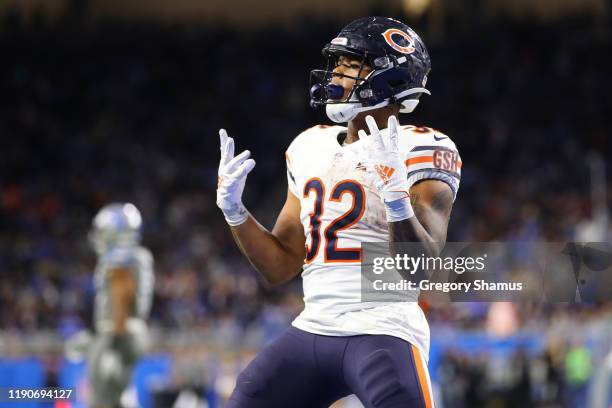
109	100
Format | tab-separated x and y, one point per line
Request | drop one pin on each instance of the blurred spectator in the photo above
578	371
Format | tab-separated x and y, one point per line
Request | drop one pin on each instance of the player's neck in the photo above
381	116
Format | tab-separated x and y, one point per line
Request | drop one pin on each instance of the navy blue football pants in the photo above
305	370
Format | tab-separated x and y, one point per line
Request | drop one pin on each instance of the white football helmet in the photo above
116	225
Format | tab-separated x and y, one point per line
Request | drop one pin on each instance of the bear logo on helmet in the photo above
388	36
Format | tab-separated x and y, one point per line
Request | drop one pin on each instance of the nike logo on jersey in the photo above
440	138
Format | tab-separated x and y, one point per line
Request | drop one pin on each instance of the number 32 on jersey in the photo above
328	238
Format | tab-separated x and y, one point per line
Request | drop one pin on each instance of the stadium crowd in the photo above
129	112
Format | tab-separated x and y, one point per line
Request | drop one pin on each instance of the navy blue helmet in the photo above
397	56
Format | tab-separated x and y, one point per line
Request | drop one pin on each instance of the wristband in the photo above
236	216
398	205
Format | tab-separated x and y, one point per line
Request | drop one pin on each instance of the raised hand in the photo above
380	154
233	172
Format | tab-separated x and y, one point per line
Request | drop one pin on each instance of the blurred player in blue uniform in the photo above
124	292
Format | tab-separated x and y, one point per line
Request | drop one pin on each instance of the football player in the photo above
124	292
346	186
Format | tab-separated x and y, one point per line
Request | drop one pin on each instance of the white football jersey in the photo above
139	261
340	209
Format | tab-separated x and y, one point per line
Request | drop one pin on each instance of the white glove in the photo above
381	157
233	172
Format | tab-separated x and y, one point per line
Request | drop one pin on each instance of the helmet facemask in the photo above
323	92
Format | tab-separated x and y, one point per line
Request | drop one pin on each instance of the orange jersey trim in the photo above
288	159
419	159
425	159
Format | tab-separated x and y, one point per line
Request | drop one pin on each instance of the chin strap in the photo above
346	111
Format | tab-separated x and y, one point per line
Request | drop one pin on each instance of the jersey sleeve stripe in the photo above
290	174
450	173
443	148
419	159
425	159
290	177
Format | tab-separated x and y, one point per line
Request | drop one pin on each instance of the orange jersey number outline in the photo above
331	252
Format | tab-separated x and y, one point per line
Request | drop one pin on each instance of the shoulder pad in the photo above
427	148
310	136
